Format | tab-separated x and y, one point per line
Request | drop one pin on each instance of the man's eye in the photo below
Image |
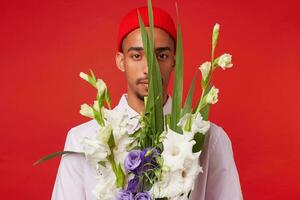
136	57
162	56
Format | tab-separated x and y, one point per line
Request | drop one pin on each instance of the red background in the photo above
45	44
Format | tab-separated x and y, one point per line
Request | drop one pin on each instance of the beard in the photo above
140	96
139	81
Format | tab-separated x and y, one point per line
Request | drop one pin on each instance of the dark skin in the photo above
133	62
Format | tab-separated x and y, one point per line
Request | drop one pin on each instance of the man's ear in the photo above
120	61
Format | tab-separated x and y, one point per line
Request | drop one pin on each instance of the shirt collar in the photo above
123	105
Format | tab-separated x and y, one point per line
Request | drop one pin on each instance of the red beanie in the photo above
130	22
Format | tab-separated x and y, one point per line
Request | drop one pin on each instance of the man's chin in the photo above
141	95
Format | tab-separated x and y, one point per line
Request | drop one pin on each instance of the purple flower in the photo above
133	160
142	196
149	158
133	185
125	195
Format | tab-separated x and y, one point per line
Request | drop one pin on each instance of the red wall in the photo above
45	44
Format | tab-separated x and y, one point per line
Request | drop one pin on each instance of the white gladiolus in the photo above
106	184
84	76
205	68
95	151
176	149
86	110
185	121
198	125
104	134
212	96
225	61
177	178
120	124
101	86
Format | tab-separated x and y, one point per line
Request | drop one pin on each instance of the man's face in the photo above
133	60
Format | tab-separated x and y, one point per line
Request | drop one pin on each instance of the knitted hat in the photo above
130	22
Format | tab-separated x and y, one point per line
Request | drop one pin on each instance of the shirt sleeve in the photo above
223	179
69	180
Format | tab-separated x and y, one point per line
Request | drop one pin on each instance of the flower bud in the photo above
225	61
205	68
87	111
212	96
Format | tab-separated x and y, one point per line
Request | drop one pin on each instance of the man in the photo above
76	177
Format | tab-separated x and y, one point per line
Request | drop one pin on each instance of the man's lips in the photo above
144	82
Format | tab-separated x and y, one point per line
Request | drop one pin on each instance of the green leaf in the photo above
145	40
56	154
188	102
102	163
208	89
154	76
200	105
199	138
205	112
120	176
111	141
107	98
167	120
188	124
216	62
177	90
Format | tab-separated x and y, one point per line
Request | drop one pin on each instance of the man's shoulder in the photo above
217	135
85	129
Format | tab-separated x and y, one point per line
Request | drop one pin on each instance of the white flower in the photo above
86	110
185	122
119	122
104	134
106	186
196	123
176	149
101	86
225	61
177	184
191	170
95	151
212	96
84	76
199	125
205	68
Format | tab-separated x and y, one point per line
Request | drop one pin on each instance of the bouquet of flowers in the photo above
160	160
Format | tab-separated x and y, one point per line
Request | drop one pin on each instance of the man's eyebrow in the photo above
135	49
159	49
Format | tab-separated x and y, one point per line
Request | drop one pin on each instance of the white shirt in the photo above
219	181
